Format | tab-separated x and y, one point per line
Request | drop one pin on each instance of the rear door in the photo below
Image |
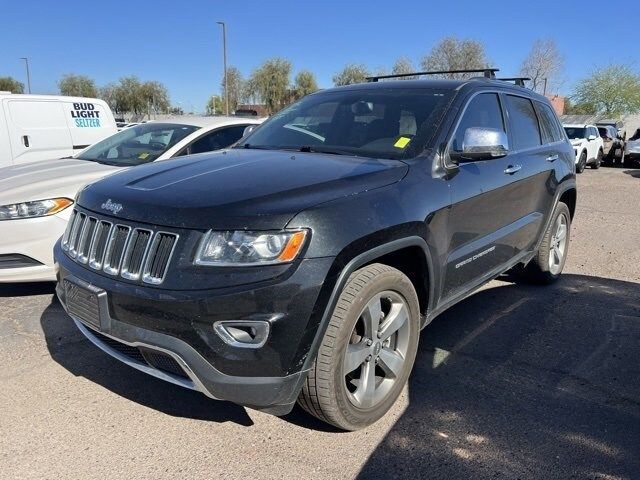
37	129
490	212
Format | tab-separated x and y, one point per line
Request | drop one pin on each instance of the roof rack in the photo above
487	72
517	80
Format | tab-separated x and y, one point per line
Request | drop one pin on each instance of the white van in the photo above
46	127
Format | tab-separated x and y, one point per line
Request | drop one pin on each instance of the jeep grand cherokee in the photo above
302	263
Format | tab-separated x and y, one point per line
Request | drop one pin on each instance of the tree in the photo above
455	54
543	65
155	97
77	86
611	91
214	105
352	73
402	66
304	84
271	83
10	84
236	88
571	108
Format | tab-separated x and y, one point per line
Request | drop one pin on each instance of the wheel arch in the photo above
394	253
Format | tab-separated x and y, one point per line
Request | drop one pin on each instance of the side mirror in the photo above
591	137
248	130
483	144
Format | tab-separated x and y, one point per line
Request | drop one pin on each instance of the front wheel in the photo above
581	163
547	265
367	352
596	164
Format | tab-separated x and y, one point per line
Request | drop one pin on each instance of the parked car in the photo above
35	198
587	145
303	262
617	152
632	150
43	127
608	135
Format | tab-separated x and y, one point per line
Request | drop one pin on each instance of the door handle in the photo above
511	169
25	140
552	158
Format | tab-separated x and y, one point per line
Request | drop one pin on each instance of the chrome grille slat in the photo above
86	238
76	232
67	231
99	244
159	256
115	249
134	253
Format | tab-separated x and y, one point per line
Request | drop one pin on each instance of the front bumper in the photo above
33	238
179	324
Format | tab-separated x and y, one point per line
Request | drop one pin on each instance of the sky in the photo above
179	43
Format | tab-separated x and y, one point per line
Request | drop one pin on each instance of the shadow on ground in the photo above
26	289
73	351
514	382
524	382
633	173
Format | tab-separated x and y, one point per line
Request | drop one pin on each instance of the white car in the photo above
35	197
587	144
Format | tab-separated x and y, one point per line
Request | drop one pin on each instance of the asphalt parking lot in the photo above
514	382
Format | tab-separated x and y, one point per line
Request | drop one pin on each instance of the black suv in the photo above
301	264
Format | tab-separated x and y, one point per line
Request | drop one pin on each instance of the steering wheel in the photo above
157	146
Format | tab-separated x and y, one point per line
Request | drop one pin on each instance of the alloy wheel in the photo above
558	245
376	353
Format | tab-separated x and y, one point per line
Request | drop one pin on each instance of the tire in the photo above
337	396
582	162
598	162
540	270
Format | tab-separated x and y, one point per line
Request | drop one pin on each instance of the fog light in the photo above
243	333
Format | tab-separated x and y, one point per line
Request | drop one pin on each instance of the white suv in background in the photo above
587	144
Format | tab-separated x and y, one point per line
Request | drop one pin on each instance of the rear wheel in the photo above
546	266
367	352
582	162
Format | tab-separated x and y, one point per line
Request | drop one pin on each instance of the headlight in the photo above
243	249
38	208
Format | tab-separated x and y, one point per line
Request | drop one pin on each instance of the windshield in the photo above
388	123
137	145
575	132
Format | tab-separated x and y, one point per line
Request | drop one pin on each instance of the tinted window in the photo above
218	139
523	123
368	122
483	111
575	132
136	145
603	132
550	128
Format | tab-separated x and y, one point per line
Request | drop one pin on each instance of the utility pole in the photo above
224	49
26	62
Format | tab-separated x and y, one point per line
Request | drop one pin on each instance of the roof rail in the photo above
487	72
516	80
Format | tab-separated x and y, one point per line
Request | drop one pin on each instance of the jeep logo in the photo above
111	207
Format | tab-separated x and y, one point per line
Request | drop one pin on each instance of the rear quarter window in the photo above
524	129
551	130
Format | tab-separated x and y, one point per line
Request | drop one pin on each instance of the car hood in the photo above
237	188
48	179
576	141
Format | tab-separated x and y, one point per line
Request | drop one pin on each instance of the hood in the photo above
237	188
48	179
576	141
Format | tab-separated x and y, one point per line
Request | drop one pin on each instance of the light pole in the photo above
26	62
224	49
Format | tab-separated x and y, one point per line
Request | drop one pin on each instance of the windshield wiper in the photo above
316	149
